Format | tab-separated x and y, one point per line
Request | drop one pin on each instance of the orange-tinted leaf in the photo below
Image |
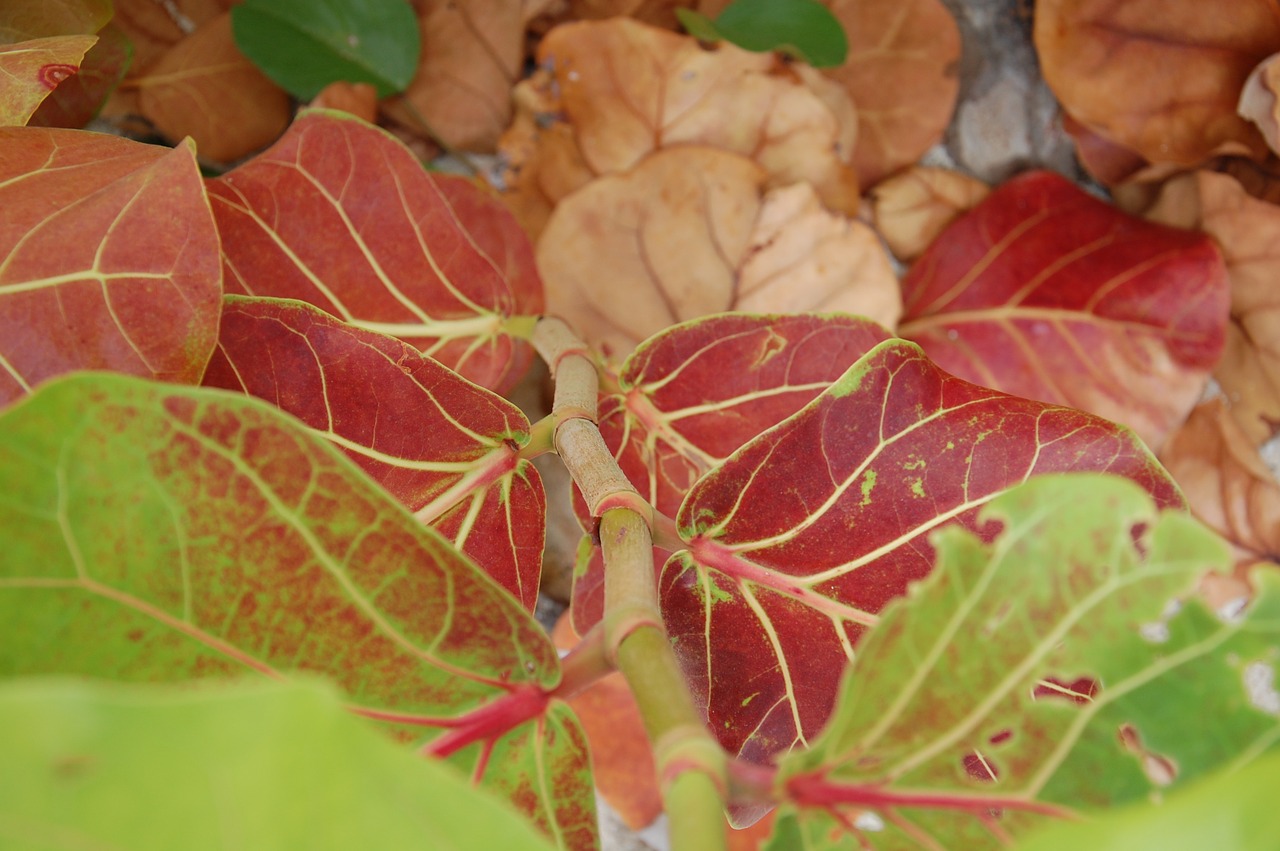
1046	292
78	98
108	259
358	99
445	448
472	52
676	247
205	88
153	27
31	70
23	20
909	210
340	215
901	74
1157	77
1226	483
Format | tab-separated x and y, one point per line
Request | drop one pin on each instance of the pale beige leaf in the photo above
1258	100
911	208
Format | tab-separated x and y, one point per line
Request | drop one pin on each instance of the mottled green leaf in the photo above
804	29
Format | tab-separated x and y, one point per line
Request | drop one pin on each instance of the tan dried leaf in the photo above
1226	483
358	99
902	76
472	52
1258	100
691	231
1159	78
205	88
911	208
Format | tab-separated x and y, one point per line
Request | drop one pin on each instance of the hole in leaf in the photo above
1260	685
1080	690
1160	770
869	822
980	768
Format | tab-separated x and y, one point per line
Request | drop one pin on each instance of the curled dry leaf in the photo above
31	70
1225	481
691	231
1159	78
358	99
205	88
910	209
902	77
1258	100
472	52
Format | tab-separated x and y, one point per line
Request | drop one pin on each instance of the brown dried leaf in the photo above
358	99
1258	100
901	74
205	88
472	52
1226	483
692	231
1159	78
154	27
910	209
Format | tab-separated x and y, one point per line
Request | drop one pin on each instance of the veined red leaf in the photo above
108	259
78	98
447	449
797	542
1046	292
1085	579
340	214
164	533
31	70
691	395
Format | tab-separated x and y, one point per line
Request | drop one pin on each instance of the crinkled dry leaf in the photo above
1160	78
691	231
31	70
901	74
358	99
910	209
1226	483
1258	100
471	56
205	88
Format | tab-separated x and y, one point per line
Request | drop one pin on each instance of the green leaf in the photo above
1233	810
804	29
263	765
1064	666
304	45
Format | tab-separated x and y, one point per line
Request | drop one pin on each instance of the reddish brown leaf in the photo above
358	99
1258	100
1226	482
154	27
797	541
78	98
909	210
902	76
1159	78
205	88
31	70
447	449
22	20
340	215
108	259
1046	292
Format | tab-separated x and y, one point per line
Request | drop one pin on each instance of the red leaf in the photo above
1046	292
109	259
444	447
78	98
339	214
808	531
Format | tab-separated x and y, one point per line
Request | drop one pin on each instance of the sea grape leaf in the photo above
678	248
108	259
358	99
1258	100
690	396
472	54
164	533
803	29
31	70
153	28
915	44
910	209
304	45
339	214
1151	77
795	544
1046	292
78	98
1085	582
203	87
262	764
444	447
23	20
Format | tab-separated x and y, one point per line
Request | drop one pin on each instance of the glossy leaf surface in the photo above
798	541
341	215
270	765
304	45
444	447
1085	580
31	70
108	259
1046	292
